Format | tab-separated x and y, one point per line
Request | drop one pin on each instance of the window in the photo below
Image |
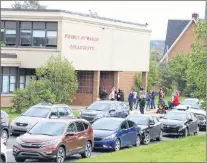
67	111
8	77
85	126
2	31
131	124
124	125
51	34
71	128
26	33
79	126
38	38
25	77
10	33
62	111
85	82
54	112
156	120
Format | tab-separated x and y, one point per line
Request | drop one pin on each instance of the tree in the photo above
2	44
196	73
28	5
33	94
60	76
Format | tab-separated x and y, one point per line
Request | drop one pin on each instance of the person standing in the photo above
138	97
119	95
142	102
148	100
131	100
135	97
122	96
112	94
153	100
160	93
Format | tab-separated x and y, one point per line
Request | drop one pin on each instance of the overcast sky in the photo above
155	13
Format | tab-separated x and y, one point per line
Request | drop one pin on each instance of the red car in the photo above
55	140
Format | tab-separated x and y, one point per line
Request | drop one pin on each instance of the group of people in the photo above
114	94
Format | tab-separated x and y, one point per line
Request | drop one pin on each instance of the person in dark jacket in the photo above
153	100
148	100
122	96
142	102
131	100
119	95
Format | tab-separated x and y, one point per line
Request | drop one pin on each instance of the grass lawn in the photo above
191	149
13	115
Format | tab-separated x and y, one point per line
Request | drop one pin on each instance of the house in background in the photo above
181	34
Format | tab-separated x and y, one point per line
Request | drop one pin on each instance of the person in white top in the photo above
112	94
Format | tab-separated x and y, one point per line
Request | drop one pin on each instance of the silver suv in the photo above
36	113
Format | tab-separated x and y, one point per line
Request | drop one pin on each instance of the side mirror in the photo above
151	123
112	110
190	120
70	134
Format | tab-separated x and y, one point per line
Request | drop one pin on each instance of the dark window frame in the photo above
77	126
85	82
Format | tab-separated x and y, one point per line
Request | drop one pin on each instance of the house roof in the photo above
78	14
174	29
179	35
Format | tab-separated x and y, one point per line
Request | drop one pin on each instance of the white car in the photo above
3	151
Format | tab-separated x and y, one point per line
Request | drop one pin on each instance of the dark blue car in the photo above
115	133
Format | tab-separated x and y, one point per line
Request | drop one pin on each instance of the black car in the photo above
180	123
105	108
5	125
151	127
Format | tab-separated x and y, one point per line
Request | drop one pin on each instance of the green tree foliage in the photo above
60	76
2	44
196	72
138	81
34	93
28	5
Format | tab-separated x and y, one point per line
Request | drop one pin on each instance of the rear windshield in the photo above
41	112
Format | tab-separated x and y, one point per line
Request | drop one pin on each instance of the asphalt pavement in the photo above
11	141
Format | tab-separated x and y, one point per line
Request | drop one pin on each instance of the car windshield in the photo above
176	116
192	103
41	112
106	124
48	128
99	106
139	120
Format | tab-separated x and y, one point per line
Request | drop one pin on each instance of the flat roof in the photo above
78	14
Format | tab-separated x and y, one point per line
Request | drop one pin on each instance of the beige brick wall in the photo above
6	100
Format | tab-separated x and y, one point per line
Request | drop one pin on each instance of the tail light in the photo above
4	143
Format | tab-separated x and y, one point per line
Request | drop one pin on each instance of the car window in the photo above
71	128
67	111
124	125
151	119
113	107
193	117
156	120
130	124
54	112
62	111
79	126
189	116
85	126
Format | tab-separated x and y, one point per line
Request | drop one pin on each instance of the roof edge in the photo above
78	14
178	38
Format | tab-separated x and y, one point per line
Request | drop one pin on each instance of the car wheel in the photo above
197	131
185	133
87	150
117	145
146	139
60	156
160	136
20	159
138	141
4	135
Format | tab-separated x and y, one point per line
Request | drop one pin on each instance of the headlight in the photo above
99	116
18	140
48	143
111	137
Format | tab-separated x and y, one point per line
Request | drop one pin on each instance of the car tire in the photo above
4	135
60	155
138	141
87	150
185	133
146	139
160	136
117	146
20	159
197	131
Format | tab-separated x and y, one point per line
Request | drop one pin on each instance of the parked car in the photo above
55	140
105	108
115	133
180	123
151	127
37	113
3	151
193	105
5	126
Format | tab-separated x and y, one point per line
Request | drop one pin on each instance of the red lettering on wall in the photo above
79	47
75	37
